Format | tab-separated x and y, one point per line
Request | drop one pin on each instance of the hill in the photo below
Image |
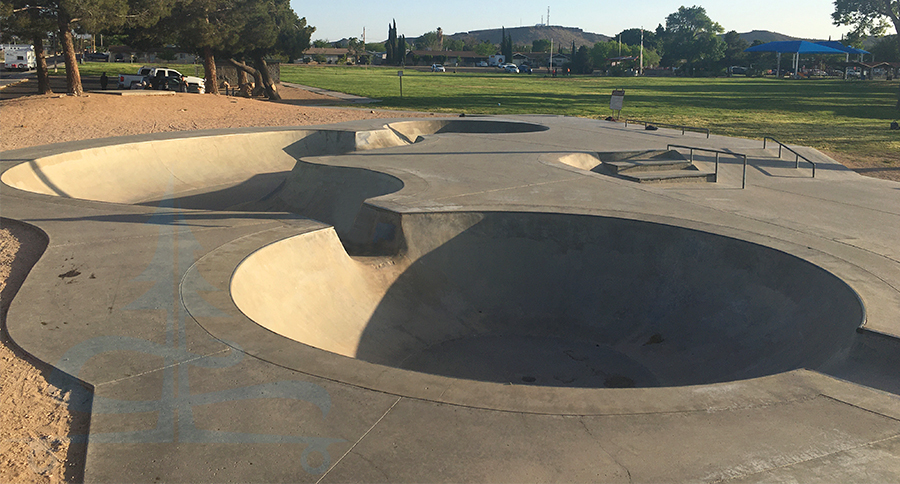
765	36
526	35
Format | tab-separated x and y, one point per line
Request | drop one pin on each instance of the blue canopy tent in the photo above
848	50
795	47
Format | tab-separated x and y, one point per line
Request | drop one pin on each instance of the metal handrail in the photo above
677	126
797	156
717	152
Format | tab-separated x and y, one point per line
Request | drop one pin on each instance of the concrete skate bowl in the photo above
216	172
554	300
411	131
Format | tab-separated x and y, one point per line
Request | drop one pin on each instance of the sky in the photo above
338	19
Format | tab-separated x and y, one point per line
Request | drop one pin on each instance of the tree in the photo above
633	37
691	39
540	45
428	41
886	49
390	45
868	16
401	49
485	49
454	44
28	20
89	16
395	46
270	28
581	61
506	45
734	49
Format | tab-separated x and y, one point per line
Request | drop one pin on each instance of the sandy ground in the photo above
34	419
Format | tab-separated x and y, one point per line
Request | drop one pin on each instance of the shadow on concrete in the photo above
569	300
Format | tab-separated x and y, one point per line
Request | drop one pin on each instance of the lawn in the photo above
842	117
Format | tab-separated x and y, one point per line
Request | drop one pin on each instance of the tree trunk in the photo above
209	67
43	75
243	70
271	89
73	76
242	80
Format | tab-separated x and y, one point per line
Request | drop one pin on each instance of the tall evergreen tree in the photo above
391	44
401	50
506	45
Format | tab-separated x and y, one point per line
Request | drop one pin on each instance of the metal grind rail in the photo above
717	152
797	156
676	126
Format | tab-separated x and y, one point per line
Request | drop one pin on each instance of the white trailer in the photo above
19	57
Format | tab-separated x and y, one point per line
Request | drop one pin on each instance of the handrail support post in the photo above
744	177
717	167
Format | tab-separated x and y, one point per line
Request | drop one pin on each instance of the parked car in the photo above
482	64
161	78
738	70
511	69
97	56
524	69
437	68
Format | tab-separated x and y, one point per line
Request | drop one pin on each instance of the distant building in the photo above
332	55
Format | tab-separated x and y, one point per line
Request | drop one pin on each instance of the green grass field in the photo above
838	116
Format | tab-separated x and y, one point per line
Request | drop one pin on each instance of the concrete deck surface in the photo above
139	296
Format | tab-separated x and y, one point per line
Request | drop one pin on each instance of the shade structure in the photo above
839	46
795	47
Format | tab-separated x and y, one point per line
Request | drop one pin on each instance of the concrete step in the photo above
633	166
646	155
670	176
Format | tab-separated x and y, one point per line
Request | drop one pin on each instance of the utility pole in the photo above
620	45
551	48
365	52
641	70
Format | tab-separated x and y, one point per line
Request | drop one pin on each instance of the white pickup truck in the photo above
161	78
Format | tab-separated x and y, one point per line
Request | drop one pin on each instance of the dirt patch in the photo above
35	422
886	167
40	120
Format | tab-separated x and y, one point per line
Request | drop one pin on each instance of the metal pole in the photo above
717	167
744	178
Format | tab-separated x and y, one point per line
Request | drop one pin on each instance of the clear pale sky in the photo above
337	19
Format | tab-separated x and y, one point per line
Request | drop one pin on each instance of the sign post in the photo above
400	75
617	101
